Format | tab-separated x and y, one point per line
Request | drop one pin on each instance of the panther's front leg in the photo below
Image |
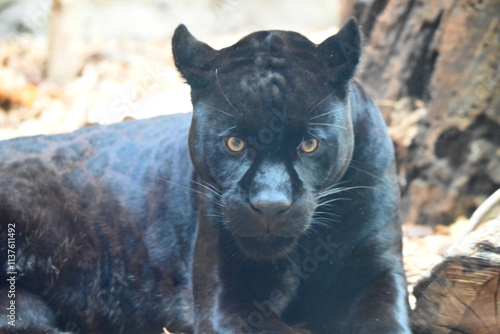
381	307
237	295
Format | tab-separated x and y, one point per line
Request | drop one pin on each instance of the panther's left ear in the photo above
343	51
194	59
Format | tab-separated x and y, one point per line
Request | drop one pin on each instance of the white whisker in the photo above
220	88
368	173
326	213
215	200
213	191
333	200
332	125
334	185
316	222
333	191
214	108
320	102
326	113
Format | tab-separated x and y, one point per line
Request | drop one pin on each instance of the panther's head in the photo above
271	128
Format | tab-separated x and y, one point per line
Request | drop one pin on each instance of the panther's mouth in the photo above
266	246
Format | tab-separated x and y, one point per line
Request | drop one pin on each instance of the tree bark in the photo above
433	67
365	11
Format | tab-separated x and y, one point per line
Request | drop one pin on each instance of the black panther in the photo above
272	208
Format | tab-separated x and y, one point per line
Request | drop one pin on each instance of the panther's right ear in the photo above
194	59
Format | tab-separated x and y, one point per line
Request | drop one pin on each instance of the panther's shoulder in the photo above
126	158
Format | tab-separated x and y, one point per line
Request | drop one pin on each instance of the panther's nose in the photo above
271	192
270	207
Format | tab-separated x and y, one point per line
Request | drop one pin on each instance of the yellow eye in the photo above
235	144
309	145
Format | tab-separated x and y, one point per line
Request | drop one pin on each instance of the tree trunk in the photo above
365	11
461	295
433	67
64	58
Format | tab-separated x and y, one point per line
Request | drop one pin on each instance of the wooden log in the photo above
461	294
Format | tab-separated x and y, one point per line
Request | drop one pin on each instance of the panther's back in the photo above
89	209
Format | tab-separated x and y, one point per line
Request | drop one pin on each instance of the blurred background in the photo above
65	64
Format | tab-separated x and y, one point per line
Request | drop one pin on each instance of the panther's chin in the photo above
266	247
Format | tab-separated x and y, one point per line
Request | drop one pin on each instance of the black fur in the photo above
142	225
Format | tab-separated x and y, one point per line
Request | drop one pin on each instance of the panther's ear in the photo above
194	59
343	51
